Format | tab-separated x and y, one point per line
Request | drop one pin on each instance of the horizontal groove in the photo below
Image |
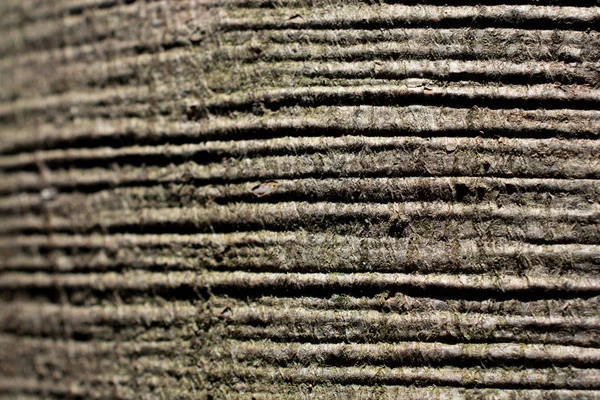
339	354
344	334
398	302
23	316
42	11
448	159
459	188
342	326
36	11
397	123
395	15
300	128
445	35
61	102
406	354
291	391
381	51
463	96
302	252
304	319
506	72
43	318
553	193
264	249
297	3
101	348
245	283
100	386
219	240
145	241
46	389
214	249
91	362
406	255
288	216
457	377
420	92
111	48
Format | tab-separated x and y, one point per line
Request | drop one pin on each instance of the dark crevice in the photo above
461	77
516	21
194	293
128	139
442	339
89	188
274	4
375	98
417	360
372	226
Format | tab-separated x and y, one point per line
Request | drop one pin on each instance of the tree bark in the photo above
261	199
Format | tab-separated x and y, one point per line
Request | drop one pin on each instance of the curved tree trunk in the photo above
267	199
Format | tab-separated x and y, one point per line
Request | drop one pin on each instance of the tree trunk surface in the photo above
299	199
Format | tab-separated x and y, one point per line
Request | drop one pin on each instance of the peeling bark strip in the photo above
283	199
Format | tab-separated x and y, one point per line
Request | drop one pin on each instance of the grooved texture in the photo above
282	199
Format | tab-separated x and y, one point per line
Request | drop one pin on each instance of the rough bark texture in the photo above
330	199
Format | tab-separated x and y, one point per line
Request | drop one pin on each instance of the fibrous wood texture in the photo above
263	199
